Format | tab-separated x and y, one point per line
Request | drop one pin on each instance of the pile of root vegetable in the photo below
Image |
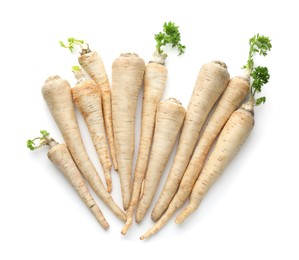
109	114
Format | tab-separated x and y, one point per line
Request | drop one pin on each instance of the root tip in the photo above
145	236
180	219
154	217
125	229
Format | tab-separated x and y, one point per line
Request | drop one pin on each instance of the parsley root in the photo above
155	77
58	96
62	159
87	97
169	120
127	75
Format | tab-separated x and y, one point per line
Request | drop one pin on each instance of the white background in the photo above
252	212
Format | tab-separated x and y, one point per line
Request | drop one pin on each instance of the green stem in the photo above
157	57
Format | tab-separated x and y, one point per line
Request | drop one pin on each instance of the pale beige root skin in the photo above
92	63
232	137
154	83
87	97
127	75
62	159
169	119
57	93
234	94
212	80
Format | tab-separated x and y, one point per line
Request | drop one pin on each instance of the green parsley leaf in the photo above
72	42
76	68
30	144
170	35
260	77
260	101
44	133
259	44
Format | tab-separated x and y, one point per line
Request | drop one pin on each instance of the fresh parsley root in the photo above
127	75
169	120
60	156
87	97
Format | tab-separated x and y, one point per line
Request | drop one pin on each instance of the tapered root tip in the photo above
109	186
114	162
104	224
107	175
126	227
99	216
146	235
138	218
121	215
156	214
126	200
106	227
154	218
124	231
183	216
179	220
124	217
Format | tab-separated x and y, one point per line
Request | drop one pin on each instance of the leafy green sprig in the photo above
73	42
169	35
43	140
260	45
76	68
